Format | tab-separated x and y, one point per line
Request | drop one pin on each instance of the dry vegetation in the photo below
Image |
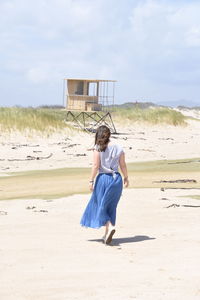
52	120
41	120
150	115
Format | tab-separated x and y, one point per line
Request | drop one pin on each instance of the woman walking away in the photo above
106	192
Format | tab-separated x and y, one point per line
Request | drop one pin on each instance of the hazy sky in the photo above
151	47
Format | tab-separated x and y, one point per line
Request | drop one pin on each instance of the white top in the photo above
109	159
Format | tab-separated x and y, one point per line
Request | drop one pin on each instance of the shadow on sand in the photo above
125	240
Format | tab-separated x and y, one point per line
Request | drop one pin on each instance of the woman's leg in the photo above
107	226
110	230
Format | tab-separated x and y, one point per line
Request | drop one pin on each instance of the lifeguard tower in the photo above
89	102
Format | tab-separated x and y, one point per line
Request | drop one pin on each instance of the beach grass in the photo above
47	121
152	116
32	119
57	183
196	197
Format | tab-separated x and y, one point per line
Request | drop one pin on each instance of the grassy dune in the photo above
150	115
196	197
63	182
47	120
31	119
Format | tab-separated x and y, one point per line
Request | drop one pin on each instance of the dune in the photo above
141	142
45	254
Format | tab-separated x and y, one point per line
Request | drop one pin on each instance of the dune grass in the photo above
150	115
46	120
52	184
32	119
196	197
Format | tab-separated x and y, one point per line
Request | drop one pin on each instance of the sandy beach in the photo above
68	67
71	149
46	255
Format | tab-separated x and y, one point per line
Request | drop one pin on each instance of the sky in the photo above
151	47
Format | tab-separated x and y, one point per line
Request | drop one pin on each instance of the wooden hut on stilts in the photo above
89	102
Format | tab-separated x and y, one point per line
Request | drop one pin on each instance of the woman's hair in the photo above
102	137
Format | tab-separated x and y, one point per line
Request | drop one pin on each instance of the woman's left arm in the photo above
95	168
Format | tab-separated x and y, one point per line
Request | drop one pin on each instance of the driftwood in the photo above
187	205
70	146
173	205
3	213
30	207
23	145
29	157
60	143
84	154
177	181
183	162
179	188
184	205
166	139
148	150
118	137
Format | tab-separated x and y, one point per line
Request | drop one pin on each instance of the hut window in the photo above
92	89
79	88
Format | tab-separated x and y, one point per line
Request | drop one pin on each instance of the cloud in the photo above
150	46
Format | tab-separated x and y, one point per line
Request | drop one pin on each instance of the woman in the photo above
101	209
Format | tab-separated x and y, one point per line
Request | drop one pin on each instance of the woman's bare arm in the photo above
95	168
123	167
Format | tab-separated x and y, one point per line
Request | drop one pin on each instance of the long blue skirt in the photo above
103	203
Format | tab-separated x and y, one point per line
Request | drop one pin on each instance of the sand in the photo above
45	254
140	142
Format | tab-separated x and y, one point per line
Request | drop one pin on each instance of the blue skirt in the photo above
103	203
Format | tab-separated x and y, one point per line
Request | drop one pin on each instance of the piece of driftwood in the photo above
30	207
184	205
187	205
29	157
177	181
3	213
80	154
173	205
183	162
119	137
148	150
24	145
70	146
181	188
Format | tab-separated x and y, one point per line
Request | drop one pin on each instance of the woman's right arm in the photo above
123	168
95	168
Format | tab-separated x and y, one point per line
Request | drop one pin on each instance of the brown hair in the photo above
102	137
